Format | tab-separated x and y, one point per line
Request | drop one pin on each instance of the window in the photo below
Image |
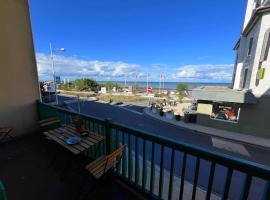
264	56
266	2
250	46
245	78
225	111
259	3
266	46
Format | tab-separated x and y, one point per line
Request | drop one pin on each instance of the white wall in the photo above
264	84
252	62
238	73
249	11
18	74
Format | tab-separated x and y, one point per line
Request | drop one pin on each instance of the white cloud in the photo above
74	67
205	72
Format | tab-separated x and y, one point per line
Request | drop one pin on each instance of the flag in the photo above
150	89
162	76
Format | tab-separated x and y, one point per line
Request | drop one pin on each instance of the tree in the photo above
86	85
182	89
67	86
110	85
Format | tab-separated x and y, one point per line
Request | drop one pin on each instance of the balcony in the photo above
27	172
152	167
33	167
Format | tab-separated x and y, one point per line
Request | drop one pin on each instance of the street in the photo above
160	128
138	120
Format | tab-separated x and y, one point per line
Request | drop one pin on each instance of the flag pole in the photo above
163	82
159	83
147	83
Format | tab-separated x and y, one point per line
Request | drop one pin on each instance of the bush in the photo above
118	98
181	87
67	86
159	95
110	85
177	117
86	85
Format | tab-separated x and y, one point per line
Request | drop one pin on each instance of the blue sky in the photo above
107	40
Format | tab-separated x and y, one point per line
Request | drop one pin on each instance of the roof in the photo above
237	45
223	94
255	17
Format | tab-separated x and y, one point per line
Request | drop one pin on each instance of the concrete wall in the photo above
253	119
264	84
18	74
252	62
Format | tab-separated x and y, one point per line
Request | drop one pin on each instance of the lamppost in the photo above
53	50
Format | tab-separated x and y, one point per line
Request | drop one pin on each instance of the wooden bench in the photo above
49	122
4	133
100	166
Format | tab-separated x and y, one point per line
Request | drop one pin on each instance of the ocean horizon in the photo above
167	85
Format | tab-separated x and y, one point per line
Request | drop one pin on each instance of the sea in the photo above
167	85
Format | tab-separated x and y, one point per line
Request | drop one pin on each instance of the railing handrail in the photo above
223	159
256	169
97	119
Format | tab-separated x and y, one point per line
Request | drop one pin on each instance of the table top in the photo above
60	135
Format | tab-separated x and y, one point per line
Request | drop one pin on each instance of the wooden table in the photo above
60	135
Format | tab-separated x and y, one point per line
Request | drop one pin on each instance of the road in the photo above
133	116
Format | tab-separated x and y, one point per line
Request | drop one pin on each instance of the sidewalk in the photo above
213	131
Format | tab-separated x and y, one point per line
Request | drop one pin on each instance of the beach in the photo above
167	85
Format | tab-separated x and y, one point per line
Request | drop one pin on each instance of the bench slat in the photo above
103	164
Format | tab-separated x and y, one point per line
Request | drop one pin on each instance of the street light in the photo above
53	50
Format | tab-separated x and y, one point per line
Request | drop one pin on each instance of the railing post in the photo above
108	135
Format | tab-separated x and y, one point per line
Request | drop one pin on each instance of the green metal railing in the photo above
167	169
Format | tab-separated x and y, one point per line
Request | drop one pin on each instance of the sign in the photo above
57	79
260	73
103	90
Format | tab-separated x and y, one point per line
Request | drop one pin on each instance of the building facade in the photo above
253	63
245	108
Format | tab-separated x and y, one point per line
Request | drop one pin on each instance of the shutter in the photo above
266	45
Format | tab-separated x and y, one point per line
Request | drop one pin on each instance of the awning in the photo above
224	95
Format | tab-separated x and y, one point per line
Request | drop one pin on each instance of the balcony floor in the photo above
27	174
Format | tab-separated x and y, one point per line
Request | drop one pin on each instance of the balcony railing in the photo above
166	169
